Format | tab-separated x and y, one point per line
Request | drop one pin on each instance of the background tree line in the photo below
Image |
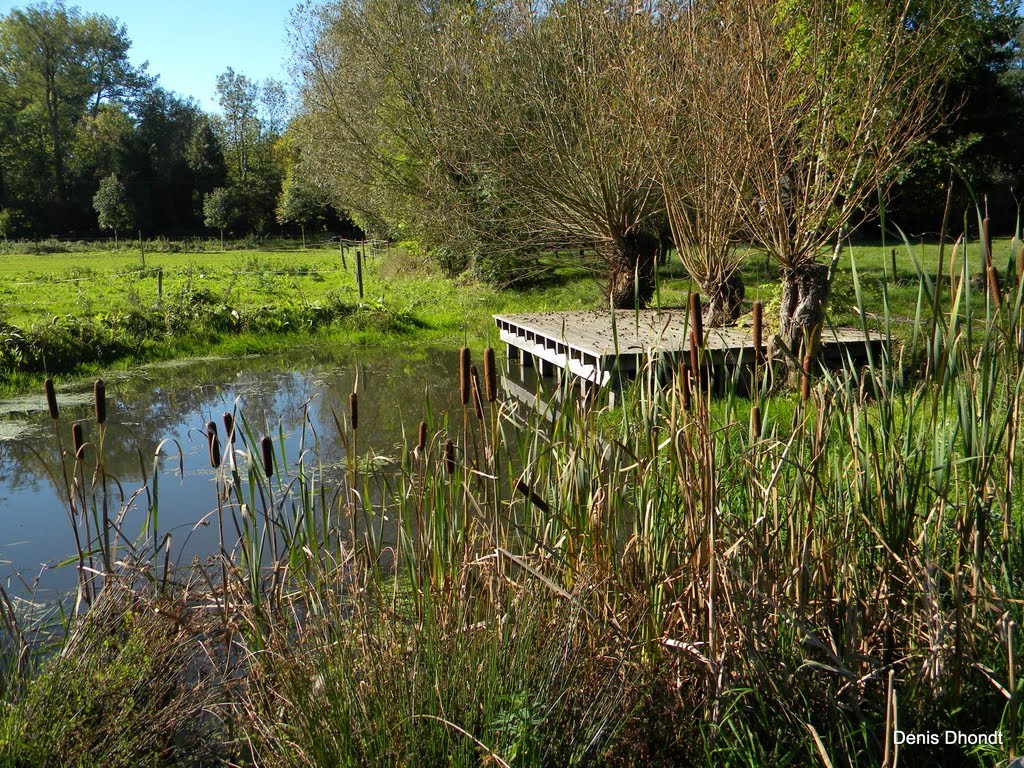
88	140
490	132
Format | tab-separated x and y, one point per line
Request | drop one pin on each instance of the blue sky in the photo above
189	42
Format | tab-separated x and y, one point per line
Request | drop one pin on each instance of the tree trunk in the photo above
804	293
222	238
724	301
631	266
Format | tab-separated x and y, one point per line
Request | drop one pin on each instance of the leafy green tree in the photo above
114	209
219	210
300	204
61	65
8	222
982	142
252	117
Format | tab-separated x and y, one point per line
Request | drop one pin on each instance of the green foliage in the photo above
60	65
219	208
113	207
125	690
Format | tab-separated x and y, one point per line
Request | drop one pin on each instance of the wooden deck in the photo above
586	344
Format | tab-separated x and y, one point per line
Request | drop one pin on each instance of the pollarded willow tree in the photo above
833	96
560	134
499	127
374	128
683	94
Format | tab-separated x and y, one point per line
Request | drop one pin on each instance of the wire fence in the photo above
361	248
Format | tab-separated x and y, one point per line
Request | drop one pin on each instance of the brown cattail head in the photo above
478	402
214	443
229	428
490	376
697	317
77	441
464	388
684	386
449	457
267	454
99	397
51	399
755	421
1020	265
353	409
421	438
758	328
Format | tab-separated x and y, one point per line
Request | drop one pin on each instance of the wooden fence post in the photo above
359	272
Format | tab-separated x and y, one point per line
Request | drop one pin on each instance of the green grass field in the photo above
35	288
70	313
76	312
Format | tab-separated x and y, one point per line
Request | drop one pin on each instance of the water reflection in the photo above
174	401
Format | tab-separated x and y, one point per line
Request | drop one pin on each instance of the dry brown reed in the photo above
478	402
449	457
490	375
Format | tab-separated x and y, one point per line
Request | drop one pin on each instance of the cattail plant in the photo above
51	399
421	439
99	392
805	376
229	428
213	443
684	386
267	456
697	318
77	441
353	410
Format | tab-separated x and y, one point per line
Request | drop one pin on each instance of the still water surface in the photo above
174	401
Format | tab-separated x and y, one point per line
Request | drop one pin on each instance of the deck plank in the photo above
589	334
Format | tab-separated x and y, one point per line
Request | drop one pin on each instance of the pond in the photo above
277	394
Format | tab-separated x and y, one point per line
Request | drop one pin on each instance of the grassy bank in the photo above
74	313
669	586
79	311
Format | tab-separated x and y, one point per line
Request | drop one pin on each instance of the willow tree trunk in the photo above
724	301
631	265
804	293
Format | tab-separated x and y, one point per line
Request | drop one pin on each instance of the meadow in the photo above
781	579
75	311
